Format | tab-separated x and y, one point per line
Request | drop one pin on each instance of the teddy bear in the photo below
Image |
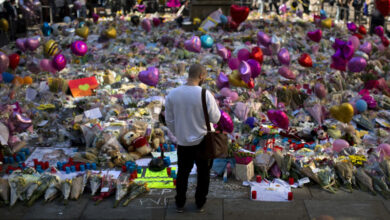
157	138
135	140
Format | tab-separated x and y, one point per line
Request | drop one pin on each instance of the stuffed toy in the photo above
157	138
135	141
320	134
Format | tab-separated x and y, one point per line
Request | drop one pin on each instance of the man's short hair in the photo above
196	70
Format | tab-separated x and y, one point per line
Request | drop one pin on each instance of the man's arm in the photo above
212	108
169	117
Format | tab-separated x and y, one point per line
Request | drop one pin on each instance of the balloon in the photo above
379	31
4	24
224	19
251	122
385	41
315	35
286	72
193	45
232	24
206	41
346	49
50	48
320	90
284	57
251	84
255	67
305	60
7	77
67	19
226	122
366	47
79	48
351	26
83	32
370	101
226	92
32	43
339	145
223	51
21	44
27	80
13	60
77	5
135	20
146	25
384	149
245	71
239	13
59	62
46	29
343	112
263	39
156	22
278	118
327	23
383	7
110	33
355	42
95	17
235	80
357	64
222	80
46	65
257	54
361	105
234	63
362	30
243	54
150	76
4	62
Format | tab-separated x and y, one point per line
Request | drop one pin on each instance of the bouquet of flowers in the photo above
78	186
107	189
364	181
122	188
45	181
66	185
136	190
19	182
284	163
4	190
264	162
53	190
324	176
344	171
95	181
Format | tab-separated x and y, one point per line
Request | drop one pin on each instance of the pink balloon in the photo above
245	71
146	25
59	62
243	54
284	57
193	45
357	64
355	42
255	67
339	145
150	76
234	63
366	47
222	80
32	43
226	92
223	51
226	122
278	118
79	48
315	35
384	149
320	90
286	72
46	65
21	44
263	39
4	62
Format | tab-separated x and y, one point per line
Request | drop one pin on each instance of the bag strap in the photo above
206	114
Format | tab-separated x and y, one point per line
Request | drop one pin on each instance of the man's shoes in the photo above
179	210
200	210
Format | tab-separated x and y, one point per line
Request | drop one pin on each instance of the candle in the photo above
258	179
169	171
290	196
291	181
254	195
124	169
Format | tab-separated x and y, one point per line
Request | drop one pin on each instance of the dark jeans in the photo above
344	13
275	4
187	155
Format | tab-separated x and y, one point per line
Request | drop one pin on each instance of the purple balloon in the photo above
355	42
79	48
21	44
255	67
4	62
150	76
245	71
278	118
243	54
320	90
32	43
263	39
286	72
226	122
146	25
284	57
222	80
47	65
234	63
357	64
366	47
379	31
193	45
351	26
338	62
223	51
59	62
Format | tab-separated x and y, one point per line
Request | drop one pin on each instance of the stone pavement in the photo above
226	201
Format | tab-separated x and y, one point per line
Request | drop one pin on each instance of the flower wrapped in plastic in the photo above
107	189
374	170
95	181
53	190
122	188
264	162
364	181
4	190
66	186
78	185
20	182
45	181
344	171
135	191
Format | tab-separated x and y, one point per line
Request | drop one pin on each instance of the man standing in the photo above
185	118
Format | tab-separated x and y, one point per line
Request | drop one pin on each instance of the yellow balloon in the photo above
343	112
4	24
111	32
50	48
235	80
327	23
83	32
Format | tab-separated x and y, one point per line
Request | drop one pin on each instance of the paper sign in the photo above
143	162
172	155
83	87
31	94
93	113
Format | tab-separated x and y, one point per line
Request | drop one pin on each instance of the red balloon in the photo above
384	39
362	30
359	36
305	60
14	60
257	54
239	13
251	84
383	7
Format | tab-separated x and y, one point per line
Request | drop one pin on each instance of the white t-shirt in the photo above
184	114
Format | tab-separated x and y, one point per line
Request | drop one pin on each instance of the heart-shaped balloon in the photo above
223	51
150	76
235	80
50	48
278	118
366	47
245	71
32	43
239	13
320	90
226	92
21	44
193	45
284	57
232	24
355	42
233	63
4	62
79	48
14	60
338	62
243	54
351	26
222	80
263	39
286	72
305	60
255	67
327	23
357	64
339	145
315	35
362	30
257	54
46	65
379	31
156	22
206	41
95	17
343	112
226	122
146	25
110	33
59	62
83	32
46	29
383	7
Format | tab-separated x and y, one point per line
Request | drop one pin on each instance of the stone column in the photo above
202	8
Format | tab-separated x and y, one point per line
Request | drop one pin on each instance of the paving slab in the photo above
15	212
356	195
57	209
247	209
213	210
301	193
387	205
347	209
